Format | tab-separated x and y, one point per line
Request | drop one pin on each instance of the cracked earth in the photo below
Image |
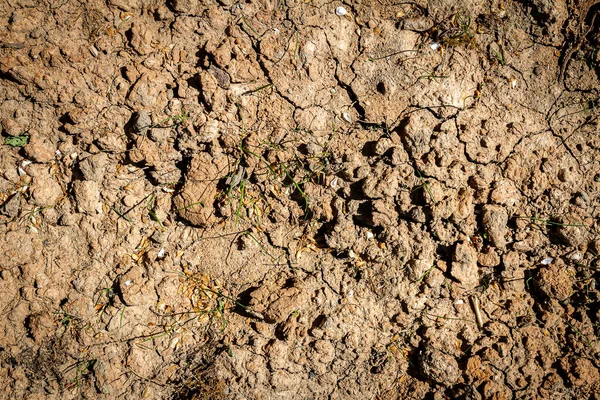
291	200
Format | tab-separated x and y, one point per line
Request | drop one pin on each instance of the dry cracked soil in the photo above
299	199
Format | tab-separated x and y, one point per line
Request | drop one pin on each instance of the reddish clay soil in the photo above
299	199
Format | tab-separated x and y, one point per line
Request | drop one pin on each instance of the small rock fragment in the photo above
136	288
439	367
416	130
195	201
464	265
276	305
87	196
40	149
141	121
382	182
488	257
93	167
547	261
495	219
45	189
505	193
555	280
382	146
572	232
222	77
12	206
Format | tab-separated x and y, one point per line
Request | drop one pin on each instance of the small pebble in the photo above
334	183
141	121
340	11
546	260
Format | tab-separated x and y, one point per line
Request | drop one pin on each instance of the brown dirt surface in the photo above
264	199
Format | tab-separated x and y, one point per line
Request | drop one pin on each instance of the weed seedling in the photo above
424	274
527	282
430	75
104	300
579	334
395	53
121	215
499	55
190	205
82	369
547	221
461	34
424	185
296	185
448	318
17	141
175	120
67	320
151	207
268	85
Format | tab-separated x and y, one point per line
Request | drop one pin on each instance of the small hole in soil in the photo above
129	34
319	321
